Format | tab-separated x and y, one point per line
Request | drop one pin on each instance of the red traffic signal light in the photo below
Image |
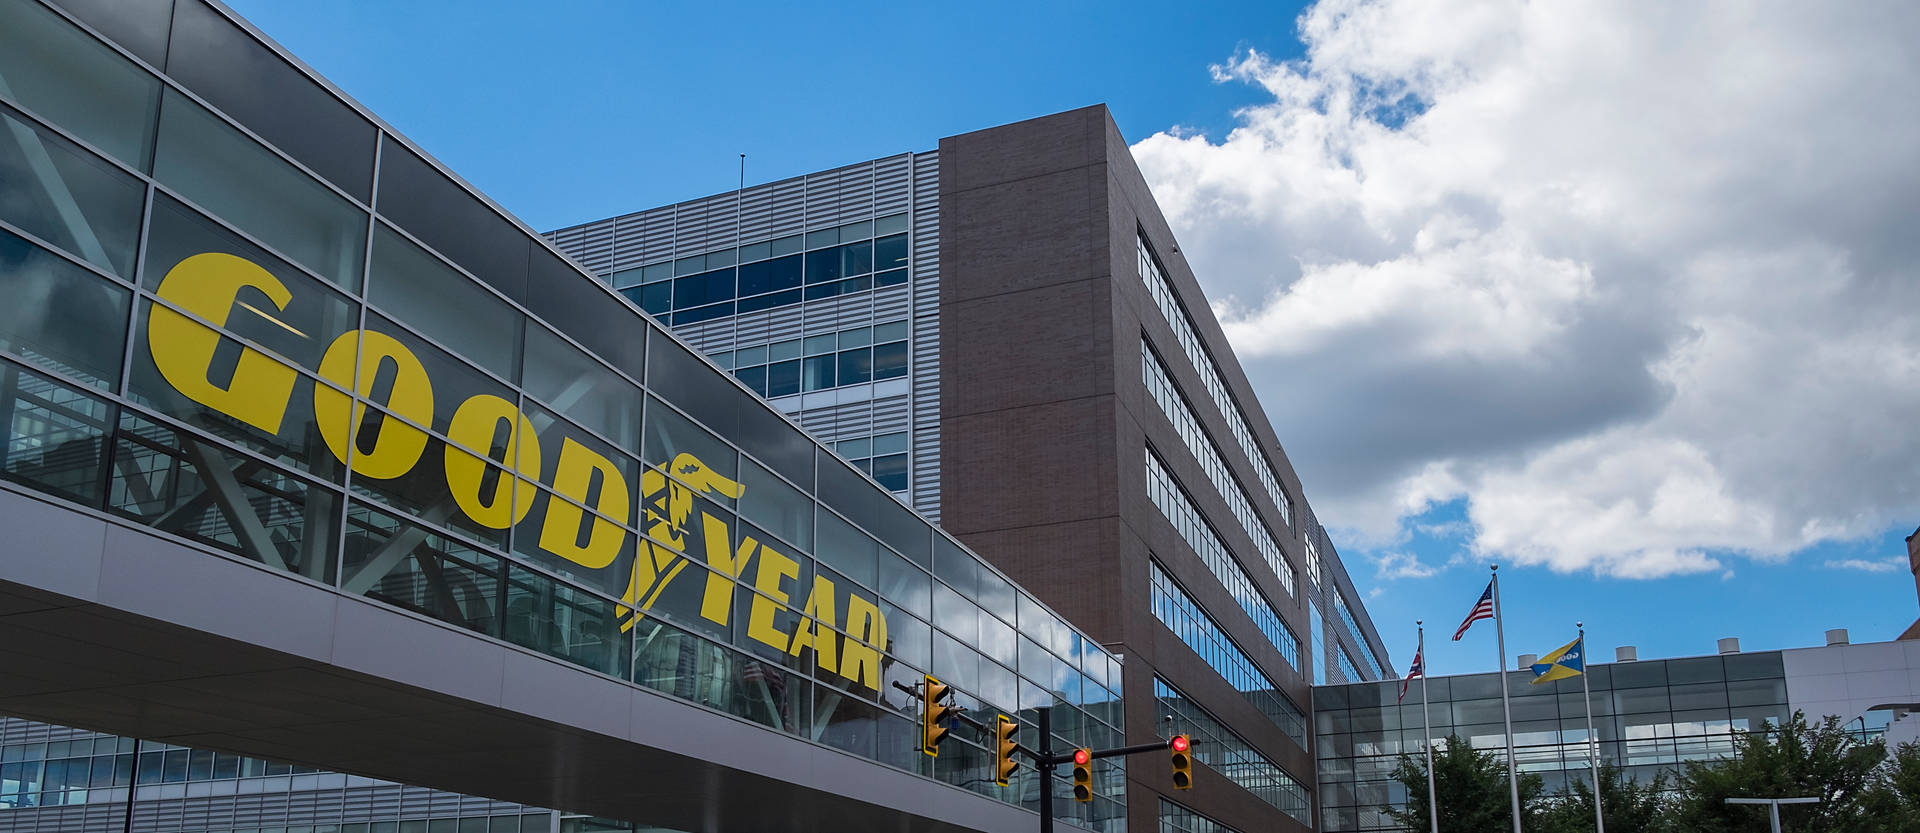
933	712
1182	750
1083	775
1005	741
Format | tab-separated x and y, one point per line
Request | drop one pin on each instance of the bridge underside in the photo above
108	627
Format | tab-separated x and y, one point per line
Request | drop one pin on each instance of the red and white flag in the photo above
1419	669
1482	609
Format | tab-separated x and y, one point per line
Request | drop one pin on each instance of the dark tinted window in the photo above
770	275
702	289
889	252
852	496
856	258
580	307
893	278
655	298
60	315
783	378
67	196
443	215
777	299
239	75
138	25
753	377
890	360
856	366
695	316
823	265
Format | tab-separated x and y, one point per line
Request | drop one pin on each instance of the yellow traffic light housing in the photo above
1182	750
1006	733
1083	775
934	710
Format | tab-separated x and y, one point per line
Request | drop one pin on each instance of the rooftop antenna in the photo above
739	211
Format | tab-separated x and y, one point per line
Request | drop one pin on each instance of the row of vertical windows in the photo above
850	357
1184	616
1347	668
883	456
1175	818
692	295
1163	297
1313	560
1179	510
1359	638
1161	387
1225	752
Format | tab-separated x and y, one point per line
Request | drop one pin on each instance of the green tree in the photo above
1893	802
1791	760
1472	789
1631	806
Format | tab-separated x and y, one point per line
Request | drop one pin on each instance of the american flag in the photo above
1482	609
1419	669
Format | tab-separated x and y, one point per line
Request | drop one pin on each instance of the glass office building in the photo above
246	315
1649	717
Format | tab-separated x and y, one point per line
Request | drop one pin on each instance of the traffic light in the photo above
1182	762
1083	775
1004	743
933	712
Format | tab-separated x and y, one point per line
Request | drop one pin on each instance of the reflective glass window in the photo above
856	258
889	225
776	506
783	378
451	221
769	301
565	378
432	297
855	367
246	80
232	176
575	304
770	275
60	316
823	265
64	75
890	252
818	373
555	619
890	361
845	548
56	436
668	435
655	298
703	289
55	190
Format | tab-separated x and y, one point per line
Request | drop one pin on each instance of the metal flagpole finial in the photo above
1579	624
1419	621
1496	568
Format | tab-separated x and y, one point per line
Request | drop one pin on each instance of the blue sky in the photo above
1672	473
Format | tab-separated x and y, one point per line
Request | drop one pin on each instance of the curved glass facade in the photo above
247	316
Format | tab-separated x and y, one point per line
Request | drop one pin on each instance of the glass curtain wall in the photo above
245	316
1649	716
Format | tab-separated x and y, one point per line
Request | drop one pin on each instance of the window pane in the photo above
856	258
66	76
56	435
432	297
823	265
246	80
819	373
67	196
700	290
890	360
452	222
776	506
891	472
408	565
551	617
783	378
845	548
190	487
856	366
234	177
890	252
754	378
560	375
60	316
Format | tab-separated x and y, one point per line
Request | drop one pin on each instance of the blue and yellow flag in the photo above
1569	661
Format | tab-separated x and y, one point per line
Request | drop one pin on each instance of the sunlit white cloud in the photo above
1635	281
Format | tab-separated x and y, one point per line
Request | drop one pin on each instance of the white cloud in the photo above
1884	565
1636	280
1394	565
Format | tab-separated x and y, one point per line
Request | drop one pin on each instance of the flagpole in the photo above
1426	727
1593	743
1506	704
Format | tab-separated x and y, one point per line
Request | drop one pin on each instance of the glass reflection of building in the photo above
1649	716
123	159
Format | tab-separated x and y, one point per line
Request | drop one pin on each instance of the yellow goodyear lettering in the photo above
208	285
397	446
775	569
480	490
573	478
499	496
816	632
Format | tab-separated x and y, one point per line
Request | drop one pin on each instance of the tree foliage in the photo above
1792	760
1862	789
1472	789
